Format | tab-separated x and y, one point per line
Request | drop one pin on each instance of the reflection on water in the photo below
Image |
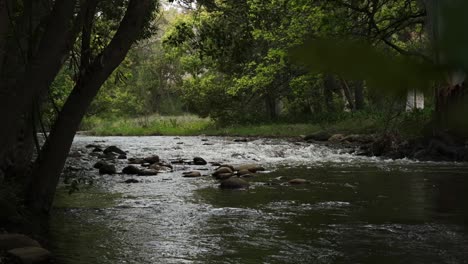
355	210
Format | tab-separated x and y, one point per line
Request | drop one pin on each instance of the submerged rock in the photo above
135	161
298	181
152	159
107	169
99	164
249	167
191	174
147	172
131	170
222	170
114	149
30	255
97	149
199	161
234	183
132	181
223	176
10	241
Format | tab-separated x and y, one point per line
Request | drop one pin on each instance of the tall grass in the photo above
407	124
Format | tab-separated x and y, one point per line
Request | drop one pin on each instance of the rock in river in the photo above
199	161
223	176
114	149
131	181
234	183
152	159
221	170
298	181
30	255
249	167
107	169
191	174
10	241
131	170
99	164
147	172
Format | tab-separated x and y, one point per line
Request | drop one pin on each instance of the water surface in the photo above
355	209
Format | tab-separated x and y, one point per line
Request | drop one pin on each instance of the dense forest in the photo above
64	64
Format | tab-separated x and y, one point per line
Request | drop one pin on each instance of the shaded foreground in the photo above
353	210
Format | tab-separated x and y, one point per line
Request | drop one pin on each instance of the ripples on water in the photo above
355	210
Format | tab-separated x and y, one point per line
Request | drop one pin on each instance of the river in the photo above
354	210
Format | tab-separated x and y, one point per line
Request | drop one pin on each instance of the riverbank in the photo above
408	125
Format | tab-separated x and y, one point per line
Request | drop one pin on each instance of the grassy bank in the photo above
188	125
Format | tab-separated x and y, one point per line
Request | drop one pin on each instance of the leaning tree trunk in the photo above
53	155
40	73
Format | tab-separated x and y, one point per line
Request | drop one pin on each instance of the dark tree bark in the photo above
4	26
53	155
347	93
359	95
329	86
40	72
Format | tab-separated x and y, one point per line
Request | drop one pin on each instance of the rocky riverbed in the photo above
230	200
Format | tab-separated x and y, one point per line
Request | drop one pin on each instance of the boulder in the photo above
253	168
191	174
135	161
122	156
241	140
107	169
298	181
11	241
131	170
97	149
30	255
223	176
93	146
248	175
147	172
160	167
113	149
199	161
336	138
243	172
234	183
108	156
132	181
99	164
152	159
318	136
221	170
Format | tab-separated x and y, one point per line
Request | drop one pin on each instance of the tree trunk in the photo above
53	155
40	72
359	95
4	26
347	93
329	86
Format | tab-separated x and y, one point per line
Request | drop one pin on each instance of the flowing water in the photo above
355	209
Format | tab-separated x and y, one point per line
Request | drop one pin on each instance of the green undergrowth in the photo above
406	124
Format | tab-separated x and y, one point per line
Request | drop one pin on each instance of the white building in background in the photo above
414	100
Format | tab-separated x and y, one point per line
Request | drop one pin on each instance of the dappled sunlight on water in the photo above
354	210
